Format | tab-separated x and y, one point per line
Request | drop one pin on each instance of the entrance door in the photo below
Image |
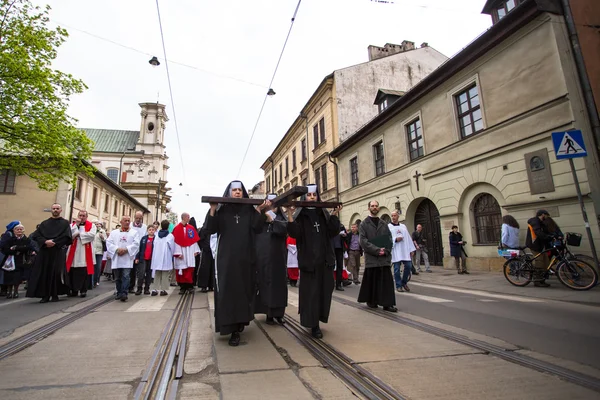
427	215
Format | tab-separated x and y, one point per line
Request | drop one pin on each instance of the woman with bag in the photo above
17	248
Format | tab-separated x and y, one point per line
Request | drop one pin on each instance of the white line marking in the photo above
488	300
428	298
8	302
150	304
480	293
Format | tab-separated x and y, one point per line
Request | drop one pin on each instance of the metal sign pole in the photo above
584	213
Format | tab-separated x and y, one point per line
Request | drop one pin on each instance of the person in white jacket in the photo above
122	246
510	232
162	259
402	251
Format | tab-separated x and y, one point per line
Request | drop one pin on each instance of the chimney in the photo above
376	52
424	44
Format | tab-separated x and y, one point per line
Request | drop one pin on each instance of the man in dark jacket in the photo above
537	240
457	250
378	283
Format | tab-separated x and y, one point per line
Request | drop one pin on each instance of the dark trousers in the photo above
144	275
339	266
97	269
122	280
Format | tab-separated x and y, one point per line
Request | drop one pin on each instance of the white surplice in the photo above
162	253
402	249
80	261
123	240
292	256
189	256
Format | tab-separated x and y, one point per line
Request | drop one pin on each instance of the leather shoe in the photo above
83	295
390	309
124	299
280	320
316	332
270	321
466	272
54	299
44	300
163	293
138	292
372	305
400	290
340	288
541	284
235	339
406	288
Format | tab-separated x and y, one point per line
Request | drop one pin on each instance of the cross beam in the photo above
285	199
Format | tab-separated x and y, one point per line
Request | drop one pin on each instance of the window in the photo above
280	172
7	181
318	178
113	174
415	139
287	167
379	159
354	171
488	219
383	105
123	210
79	189
504	8
303	146
322	129
469	111
293	159
274	179
95	197
316	136
268	184
106	201
304	181
116	208
324	176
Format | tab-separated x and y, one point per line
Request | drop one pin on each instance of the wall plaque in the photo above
539	172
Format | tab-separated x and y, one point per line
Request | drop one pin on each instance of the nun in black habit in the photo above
313	229
236	226
271	257
206	272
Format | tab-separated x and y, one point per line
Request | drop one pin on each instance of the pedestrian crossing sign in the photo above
568	144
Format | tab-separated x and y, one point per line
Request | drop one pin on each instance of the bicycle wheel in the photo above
517	272
576	274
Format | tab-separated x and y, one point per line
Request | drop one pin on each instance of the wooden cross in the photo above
237	219
416	176
317	226
284	199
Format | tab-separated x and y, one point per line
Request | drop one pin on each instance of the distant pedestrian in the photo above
538	240
99	246
123	245
402	252
206	272
186	249
17	250
421	249
355	252
510	232
9	233
457	250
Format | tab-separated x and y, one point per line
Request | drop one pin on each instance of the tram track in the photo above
361	382
162	376
35	336
566	374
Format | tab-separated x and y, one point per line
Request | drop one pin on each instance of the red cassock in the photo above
89	252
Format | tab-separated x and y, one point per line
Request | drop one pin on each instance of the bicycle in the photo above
571	271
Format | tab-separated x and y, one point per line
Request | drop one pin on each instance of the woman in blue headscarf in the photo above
7	235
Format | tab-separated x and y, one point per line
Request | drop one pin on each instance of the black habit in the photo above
206	272
49	274
313	229
235	267
271	260
23	246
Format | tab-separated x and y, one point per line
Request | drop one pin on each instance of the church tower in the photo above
152	127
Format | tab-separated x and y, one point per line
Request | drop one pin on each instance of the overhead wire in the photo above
162	36
270	86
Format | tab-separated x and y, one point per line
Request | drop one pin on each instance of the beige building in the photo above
472	141
338	107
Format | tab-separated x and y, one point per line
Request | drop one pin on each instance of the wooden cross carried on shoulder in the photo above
286	199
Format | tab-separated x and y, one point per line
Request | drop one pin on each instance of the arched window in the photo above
113	174
386	218
488	219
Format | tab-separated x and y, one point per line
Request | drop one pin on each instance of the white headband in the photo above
312	188
236	185
271	197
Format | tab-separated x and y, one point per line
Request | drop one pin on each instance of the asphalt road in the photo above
566	330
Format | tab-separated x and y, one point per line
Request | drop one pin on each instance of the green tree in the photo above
37	136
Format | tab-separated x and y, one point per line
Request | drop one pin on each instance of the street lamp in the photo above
271	92
154	61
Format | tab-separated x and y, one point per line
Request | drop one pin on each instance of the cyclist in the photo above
539	239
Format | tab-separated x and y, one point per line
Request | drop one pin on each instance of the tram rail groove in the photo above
566	374
39	334
360	381
161	378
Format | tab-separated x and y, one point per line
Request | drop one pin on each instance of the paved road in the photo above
561	329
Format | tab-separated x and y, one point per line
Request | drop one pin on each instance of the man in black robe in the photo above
271	260
206	272
378	283
197	256
235	266
313	229
49	275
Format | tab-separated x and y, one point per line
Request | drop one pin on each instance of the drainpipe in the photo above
584	80
72	203
272	181
337	188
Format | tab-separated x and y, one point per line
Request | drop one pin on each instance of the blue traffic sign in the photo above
568	144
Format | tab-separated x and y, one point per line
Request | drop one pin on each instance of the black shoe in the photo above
357	282
466	272
118	297
270	321
73	293
15	295
9	295
154	293
83	295
293	283
460	272
234	340
372	305
44	300
241	329
182	291
131	291
163	293
415	273
347	283
340	288
280	320
146	291
54	299
390	309
406	288
124	299
204	290
541	284
316	332
138	292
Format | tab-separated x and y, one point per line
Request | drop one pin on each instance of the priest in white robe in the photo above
402	251
122	246
162	259
80	256
186	248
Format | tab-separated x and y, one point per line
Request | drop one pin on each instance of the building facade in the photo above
339	106
472	141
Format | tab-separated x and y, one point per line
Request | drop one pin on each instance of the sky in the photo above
222	56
